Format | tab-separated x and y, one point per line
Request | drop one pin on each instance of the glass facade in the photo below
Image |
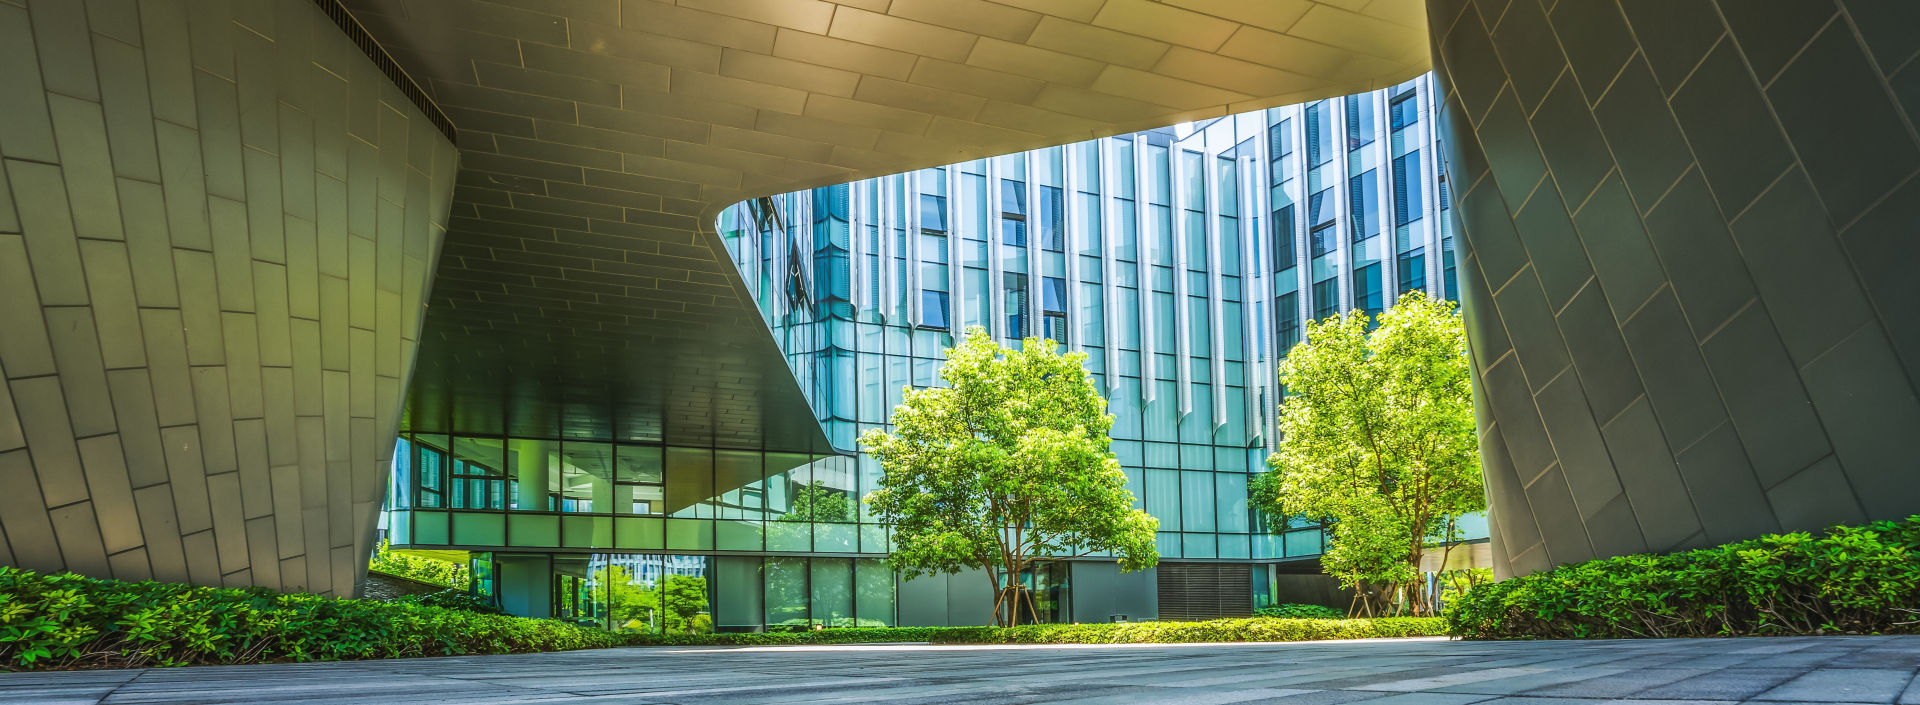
1171	257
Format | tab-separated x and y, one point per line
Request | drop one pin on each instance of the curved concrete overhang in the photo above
582	291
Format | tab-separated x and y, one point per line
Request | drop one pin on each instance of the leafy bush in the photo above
1851	579
453	600
1295	610
1219	630
71	621
420	568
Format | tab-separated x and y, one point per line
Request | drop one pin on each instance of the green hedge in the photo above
1295	610
1848	580
1218	630
70	621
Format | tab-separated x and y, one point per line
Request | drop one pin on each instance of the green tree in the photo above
1007	466
1377	441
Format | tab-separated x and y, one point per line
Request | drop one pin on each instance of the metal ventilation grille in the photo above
363	39
1205	590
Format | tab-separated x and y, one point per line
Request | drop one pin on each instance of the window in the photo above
1016	300
1287	313
1406	188
1319	138
433	464
1053	304
477	481
1364	199
1359	120
1326	298
1323	238
1440	175
1403	111
933	212
1320	208
933	247
933	310
1013	231
1051	225
1366	289
1283	249
1446	259
1279	146
1013	213
1413	270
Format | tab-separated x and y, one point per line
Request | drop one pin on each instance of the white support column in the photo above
1253	214
910	199
956	271
996	284
1216	338
1035	319
1383	206
1142	224
1342	256
1430	186
1072	222
1110	289
1177	204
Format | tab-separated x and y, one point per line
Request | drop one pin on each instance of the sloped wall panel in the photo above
213	255
1689	280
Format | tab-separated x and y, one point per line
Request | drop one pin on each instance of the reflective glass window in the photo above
1016	302
1363	195
639	480
1403	111
1413	270
1051	219
1319	135
689	487
1406	188
933	212
933	310
1326	298
1359	120
1287	321
1283	238
1366	289
586	477
478	481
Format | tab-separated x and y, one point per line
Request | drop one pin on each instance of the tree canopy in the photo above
1007	465
1377	441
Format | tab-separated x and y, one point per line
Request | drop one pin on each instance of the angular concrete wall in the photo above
213	254
1690	282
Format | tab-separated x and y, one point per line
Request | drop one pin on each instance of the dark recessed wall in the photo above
213	255
1689	277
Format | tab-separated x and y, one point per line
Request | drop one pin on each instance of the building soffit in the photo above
582	292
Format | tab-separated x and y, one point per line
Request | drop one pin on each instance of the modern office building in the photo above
1181	260
245	244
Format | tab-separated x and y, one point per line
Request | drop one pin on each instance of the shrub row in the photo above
1218	630
1847	580
1295	610
71	621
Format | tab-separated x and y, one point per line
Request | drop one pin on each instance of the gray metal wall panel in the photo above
1100	591
163	246
1738	186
